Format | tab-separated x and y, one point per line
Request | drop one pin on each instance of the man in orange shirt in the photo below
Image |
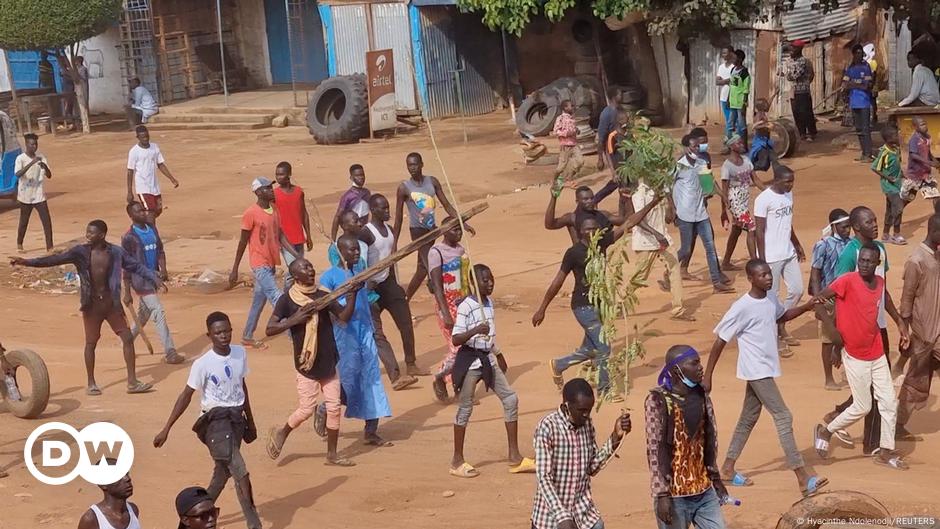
262	236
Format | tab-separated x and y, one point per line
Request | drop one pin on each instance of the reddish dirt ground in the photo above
403	486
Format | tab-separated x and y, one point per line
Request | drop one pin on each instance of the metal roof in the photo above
804	22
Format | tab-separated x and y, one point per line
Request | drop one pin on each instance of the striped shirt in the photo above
469	315
826	254
566	457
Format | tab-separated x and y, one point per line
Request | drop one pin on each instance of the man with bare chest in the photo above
99	265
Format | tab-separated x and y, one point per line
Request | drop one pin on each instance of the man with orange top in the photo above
293	217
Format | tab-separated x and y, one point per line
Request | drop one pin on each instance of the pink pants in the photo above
308	391
448	364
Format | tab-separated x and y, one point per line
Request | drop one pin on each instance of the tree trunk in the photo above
644	66
80	96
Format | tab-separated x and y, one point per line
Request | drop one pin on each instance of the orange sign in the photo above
380	74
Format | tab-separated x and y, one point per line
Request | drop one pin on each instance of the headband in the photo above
827	231
665	378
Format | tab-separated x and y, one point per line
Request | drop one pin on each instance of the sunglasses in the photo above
205	516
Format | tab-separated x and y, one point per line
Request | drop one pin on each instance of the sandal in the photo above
255	344
526	466
821	445
465	470
273	449
845	438
739	480
682	316
557	378
895	462
404	382
905	435
93	391
174	358
375	440
139	387
339	462
813	485
440	390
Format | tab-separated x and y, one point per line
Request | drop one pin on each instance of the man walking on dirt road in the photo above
143	161
99	265
420	194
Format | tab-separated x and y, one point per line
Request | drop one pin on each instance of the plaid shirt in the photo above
826	254
566	130
565	459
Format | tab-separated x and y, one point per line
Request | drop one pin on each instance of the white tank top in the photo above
103	522
380	249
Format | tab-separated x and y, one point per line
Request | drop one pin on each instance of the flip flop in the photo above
139	387
440	390
821	445
341	462
557	378
845	438
785	351
174	359
739	480
274	451
908	436
813	485
465	470
526	466
403	382
895	462
255	344
378	441
93	391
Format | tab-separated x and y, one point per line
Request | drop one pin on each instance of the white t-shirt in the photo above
469	315
219	378
29	186
724	72
143	99
778	210
144	163
754	323
656	219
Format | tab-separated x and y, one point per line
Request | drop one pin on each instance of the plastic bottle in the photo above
13	393
730	500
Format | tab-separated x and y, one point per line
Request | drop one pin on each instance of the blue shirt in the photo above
148	242
826	254
858	98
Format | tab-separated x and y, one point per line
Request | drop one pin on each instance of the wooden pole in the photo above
412	247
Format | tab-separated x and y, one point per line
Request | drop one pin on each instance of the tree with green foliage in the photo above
57	25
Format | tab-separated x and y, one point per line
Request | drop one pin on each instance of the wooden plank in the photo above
412	247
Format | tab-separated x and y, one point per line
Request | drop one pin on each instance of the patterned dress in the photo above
740	178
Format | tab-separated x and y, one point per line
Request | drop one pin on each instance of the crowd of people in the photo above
339	346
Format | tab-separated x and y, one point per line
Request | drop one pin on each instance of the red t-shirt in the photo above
857	315
290	213
264	247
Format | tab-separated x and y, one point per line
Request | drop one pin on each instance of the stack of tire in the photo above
536	116
338	111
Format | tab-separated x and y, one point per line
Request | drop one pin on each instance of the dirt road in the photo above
402	486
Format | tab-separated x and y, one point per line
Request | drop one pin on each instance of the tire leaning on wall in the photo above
339	110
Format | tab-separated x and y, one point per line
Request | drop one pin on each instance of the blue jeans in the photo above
702	511
737	121
688	231
265	290
288	259
592	348
726	112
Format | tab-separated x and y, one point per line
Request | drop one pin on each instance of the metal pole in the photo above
509	96
218	13
290	51
463	122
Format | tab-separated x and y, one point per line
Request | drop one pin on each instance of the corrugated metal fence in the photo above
350	41
808	23
899	73
705	59
442	58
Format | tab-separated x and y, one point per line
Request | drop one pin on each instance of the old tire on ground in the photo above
837	504
339	110
536	117
783	133
32	405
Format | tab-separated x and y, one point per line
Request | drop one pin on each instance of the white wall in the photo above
4	74
105	85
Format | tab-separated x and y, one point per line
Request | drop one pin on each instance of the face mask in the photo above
689	383
703	147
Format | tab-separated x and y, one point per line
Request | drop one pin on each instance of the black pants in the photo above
606	191
802	107
392	299
26	210
871	433
862	117
894	210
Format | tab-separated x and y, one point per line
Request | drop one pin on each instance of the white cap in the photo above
259	182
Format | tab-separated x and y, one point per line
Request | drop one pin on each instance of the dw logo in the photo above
105	453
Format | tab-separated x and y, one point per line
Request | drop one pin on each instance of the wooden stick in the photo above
140	326
413	246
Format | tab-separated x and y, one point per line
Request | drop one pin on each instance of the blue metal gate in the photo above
24	66
305	40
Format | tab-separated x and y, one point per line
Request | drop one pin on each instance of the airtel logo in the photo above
380	62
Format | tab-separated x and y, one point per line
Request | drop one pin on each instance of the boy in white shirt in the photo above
143	160
475	333
32	169
753	319
225	418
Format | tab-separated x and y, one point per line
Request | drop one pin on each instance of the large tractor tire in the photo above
339	110
536	118
32	405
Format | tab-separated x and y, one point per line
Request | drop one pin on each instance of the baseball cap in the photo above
799	43
189	498
259	182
